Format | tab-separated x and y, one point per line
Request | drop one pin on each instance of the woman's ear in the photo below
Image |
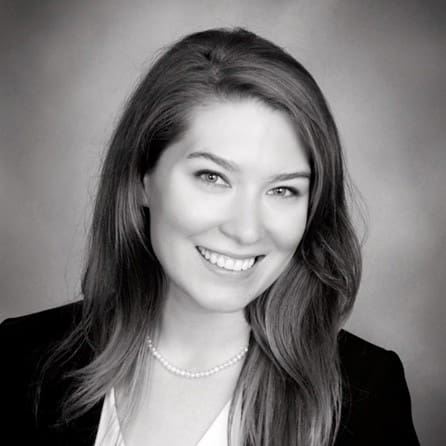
145	193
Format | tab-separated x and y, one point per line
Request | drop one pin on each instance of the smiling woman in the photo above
222	266
246	221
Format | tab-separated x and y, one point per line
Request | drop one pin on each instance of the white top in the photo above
109	431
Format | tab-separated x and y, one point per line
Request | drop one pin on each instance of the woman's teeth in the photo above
226	262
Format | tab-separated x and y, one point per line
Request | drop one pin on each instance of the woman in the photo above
221	268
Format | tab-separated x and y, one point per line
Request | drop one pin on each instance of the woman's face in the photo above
228	204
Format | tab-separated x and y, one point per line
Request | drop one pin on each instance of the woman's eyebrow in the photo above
232	167
290	176
226	164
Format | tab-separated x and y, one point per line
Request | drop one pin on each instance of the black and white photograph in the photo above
222	223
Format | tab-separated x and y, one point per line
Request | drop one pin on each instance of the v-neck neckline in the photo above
109	430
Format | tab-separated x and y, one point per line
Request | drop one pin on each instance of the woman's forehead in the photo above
244	132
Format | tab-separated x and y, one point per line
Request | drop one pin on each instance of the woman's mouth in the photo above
227	262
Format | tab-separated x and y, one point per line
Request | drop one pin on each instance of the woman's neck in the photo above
196	338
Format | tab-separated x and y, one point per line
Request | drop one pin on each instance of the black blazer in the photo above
377	407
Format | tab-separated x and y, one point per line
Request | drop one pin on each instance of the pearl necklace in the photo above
194	375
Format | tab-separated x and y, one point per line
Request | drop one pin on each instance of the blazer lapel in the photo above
52	428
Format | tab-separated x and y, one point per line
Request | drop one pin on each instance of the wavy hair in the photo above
290	386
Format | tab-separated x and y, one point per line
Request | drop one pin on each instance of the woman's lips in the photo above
226	262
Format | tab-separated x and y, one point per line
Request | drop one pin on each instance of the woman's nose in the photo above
244	222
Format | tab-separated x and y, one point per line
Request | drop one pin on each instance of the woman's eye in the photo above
284	192
212	178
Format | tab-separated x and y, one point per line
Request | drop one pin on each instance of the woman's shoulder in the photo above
24	338
365	364
43	326
377	404
368	369
26	345
357	354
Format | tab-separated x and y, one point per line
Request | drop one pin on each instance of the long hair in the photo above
290	386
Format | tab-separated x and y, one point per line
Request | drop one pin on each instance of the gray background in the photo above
68	66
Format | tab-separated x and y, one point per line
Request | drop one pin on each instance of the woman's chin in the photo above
222	303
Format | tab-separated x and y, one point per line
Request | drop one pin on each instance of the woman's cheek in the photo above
196	210
288	228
